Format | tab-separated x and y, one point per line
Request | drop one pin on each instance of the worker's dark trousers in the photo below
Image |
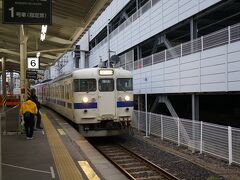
29	124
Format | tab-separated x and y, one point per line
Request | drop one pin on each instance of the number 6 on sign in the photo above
33	63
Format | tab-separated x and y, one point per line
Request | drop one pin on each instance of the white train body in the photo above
99	100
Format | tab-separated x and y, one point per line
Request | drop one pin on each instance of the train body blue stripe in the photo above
125	104
85	105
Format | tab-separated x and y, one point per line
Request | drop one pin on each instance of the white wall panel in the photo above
234	76
162	15
208	71
234	86
189	73
234	66
190	80
203	4
213	87
213	69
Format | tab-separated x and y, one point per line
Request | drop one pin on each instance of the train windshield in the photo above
85	85
124	84
106	85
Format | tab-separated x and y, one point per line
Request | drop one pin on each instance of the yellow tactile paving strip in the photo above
88	170
66	167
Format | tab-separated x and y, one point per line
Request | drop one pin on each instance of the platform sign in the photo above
33	63
27	12
31	74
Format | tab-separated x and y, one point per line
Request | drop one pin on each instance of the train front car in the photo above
103	101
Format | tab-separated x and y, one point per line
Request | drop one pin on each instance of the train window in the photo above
106	85
124	84
84	85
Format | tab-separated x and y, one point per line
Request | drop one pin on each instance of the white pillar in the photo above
23	52
82	59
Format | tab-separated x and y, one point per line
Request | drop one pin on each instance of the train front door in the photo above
106	101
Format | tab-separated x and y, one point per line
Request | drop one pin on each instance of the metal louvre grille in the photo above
155	125
129	66
138	64
142	121
235	33
191	47
155	2
159	57
170	128
134	122
215	39
190	133
147	61
236	145
146	7
173	52
215	140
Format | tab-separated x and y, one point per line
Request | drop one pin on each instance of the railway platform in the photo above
56	152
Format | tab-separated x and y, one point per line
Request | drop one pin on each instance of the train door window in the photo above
84	85
124	84
106	85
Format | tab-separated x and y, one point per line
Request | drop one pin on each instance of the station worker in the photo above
28	110
35	100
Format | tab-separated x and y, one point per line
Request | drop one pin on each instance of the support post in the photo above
161	127
108	43
178	123
23	51
138	111
4	95
146	115
230	145
201	138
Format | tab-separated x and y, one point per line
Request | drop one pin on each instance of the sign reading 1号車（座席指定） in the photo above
27	12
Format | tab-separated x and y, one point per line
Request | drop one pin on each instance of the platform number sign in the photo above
33	63
27	12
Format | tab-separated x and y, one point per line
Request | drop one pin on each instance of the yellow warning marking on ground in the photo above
88	170
61	131
65	165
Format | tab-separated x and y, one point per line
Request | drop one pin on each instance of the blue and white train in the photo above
98	100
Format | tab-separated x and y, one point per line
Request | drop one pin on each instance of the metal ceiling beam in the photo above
51	50
68	22
48	56
51	38
8	52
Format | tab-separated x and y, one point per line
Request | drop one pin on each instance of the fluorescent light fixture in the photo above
38	54
42	37
44	29
43	32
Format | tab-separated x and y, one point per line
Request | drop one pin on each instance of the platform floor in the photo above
56	152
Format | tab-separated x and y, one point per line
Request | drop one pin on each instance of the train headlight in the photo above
127	98
85	99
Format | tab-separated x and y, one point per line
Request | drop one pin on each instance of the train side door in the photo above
106	97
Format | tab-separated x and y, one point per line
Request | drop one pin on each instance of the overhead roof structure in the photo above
70	20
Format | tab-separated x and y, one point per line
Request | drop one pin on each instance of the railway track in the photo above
131	164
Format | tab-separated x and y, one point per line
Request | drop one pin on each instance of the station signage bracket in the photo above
27	12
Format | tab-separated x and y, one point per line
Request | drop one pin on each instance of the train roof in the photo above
94	72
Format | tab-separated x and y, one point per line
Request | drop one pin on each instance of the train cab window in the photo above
124	84
106	85
84	85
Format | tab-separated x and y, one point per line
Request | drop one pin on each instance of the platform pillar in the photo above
82	59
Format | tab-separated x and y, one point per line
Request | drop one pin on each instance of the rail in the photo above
133	165
217	140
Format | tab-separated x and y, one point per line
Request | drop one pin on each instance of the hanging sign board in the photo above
27	12
33	63
31	75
